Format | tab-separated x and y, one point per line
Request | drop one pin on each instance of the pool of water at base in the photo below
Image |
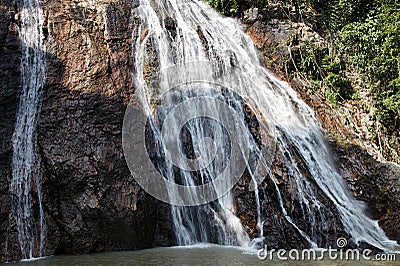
202	254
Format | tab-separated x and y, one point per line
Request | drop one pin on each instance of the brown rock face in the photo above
92	204
97	205
371	179
91	201
9	84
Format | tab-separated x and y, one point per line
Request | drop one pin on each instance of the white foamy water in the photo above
26	180
181	32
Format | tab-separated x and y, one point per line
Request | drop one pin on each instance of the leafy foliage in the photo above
373	45
307	60
364	39
230	7
335	14
234	7
337	86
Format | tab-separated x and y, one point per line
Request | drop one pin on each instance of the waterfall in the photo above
25	188
198	54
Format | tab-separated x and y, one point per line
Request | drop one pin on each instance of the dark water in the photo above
195	255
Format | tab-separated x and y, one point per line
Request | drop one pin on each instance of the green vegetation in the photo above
235	7
230	7
363	38
373	46
367	39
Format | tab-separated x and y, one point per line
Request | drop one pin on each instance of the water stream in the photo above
182	32
25	188
205	59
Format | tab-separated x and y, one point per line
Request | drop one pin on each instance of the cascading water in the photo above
180	32
25	188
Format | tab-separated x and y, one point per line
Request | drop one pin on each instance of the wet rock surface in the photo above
9	81
279	230
371	179
92	203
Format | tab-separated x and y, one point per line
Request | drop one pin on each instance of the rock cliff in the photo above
374	180
92	203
